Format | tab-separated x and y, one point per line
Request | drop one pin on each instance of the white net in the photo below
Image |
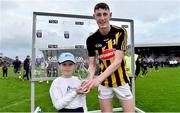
57	34
81	69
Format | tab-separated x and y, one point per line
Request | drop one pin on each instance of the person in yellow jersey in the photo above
129	62
108	44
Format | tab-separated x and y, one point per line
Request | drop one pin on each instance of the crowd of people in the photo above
17	64
146	64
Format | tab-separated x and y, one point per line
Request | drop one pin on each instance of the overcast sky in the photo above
156	21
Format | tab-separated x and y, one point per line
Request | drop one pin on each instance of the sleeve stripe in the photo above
123	47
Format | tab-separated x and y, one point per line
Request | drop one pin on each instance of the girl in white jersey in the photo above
65	91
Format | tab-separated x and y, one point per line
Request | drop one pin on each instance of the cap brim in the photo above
66	61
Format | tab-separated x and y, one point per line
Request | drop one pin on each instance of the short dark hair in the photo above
102	6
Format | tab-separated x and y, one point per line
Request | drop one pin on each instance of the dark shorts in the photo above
16	70
80	109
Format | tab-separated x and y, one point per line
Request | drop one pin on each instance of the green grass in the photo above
158	92
15	94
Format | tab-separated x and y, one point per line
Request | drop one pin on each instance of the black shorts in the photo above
16	70
80	109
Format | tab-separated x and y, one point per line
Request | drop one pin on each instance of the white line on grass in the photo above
8	106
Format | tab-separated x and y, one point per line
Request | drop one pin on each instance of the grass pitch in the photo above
159	91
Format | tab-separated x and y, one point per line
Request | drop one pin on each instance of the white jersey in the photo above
63	94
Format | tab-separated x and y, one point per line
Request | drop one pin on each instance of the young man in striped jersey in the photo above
108	44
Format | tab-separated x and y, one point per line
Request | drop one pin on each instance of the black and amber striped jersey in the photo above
104	47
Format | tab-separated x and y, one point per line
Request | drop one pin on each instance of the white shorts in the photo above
122	92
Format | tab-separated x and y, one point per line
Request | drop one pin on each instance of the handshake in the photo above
81	91
88	85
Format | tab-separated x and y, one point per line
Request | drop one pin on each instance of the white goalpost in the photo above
54	33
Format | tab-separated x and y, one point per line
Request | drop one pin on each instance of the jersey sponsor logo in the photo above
98	45
106	39
70	89
107	54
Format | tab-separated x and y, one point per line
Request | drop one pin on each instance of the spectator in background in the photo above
5	69
144	68
138	66
30	67
17	66
156	64
49	69
26	67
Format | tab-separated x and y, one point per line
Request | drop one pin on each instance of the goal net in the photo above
57	33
